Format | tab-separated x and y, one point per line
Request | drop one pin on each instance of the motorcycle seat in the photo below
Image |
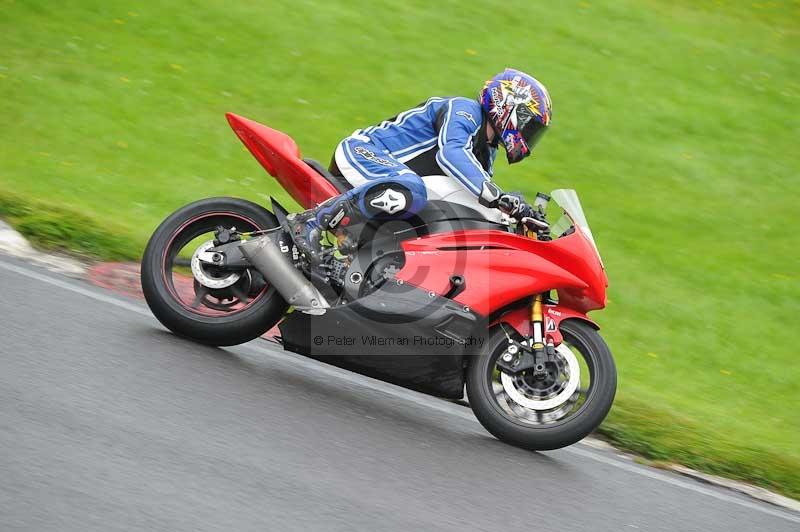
340	183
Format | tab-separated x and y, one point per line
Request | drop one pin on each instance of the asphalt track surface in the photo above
108	422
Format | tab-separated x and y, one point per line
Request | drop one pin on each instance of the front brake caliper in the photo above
520	357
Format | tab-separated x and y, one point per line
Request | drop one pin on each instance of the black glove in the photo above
538	215
535	219
514	205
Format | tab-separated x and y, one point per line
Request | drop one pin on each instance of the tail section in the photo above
279	155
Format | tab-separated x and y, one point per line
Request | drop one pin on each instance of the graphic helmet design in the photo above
519	109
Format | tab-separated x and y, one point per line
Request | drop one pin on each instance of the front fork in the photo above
533	352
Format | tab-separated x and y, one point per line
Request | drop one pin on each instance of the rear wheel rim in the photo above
185	288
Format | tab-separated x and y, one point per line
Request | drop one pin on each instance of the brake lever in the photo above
534	222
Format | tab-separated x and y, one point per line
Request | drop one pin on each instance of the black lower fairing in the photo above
398	333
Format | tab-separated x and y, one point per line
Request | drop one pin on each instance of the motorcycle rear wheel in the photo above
229	316
539	427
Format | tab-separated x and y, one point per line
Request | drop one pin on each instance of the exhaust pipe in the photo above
264	253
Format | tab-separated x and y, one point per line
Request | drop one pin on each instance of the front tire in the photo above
228	320
530	428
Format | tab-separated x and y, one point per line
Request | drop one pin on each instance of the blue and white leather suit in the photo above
443	136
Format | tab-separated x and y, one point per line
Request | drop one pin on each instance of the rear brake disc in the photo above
205	274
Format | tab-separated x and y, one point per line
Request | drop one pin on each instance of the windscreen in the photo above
567	199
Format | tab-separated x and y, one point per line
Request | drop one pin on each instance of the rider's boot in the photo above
381	199
308	228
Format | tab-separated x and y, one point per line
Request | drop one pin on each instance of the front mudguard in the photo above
520	320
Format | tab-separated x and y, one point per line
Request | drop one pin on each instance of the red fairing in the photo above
280	156
520	319
500	268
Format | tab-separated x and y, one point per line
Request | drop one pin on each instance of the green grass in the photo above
59	228
677	123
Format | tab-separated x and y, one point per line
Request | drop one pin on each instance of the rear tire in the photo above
564	432
238	327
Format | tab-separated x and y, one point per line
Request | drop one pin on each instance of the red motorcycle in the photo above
458	295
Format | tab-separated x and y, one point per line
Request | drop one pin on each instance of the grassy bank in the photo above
677	123
67	230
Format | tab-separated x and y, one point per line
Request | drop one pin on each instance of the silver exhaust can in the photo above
264	253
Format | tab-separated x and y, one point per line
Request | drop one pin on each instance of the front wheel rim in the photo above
524	401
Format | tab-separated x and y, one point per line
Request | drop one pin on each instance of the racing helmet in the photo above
519	109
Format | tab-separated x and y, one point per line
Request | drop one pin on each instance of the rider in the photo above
457	137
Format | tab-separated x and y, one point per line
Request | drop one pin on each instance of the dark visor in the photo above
532	133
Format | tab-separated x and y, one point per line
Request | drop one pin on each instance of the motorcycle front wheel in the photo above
544	412
210	305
